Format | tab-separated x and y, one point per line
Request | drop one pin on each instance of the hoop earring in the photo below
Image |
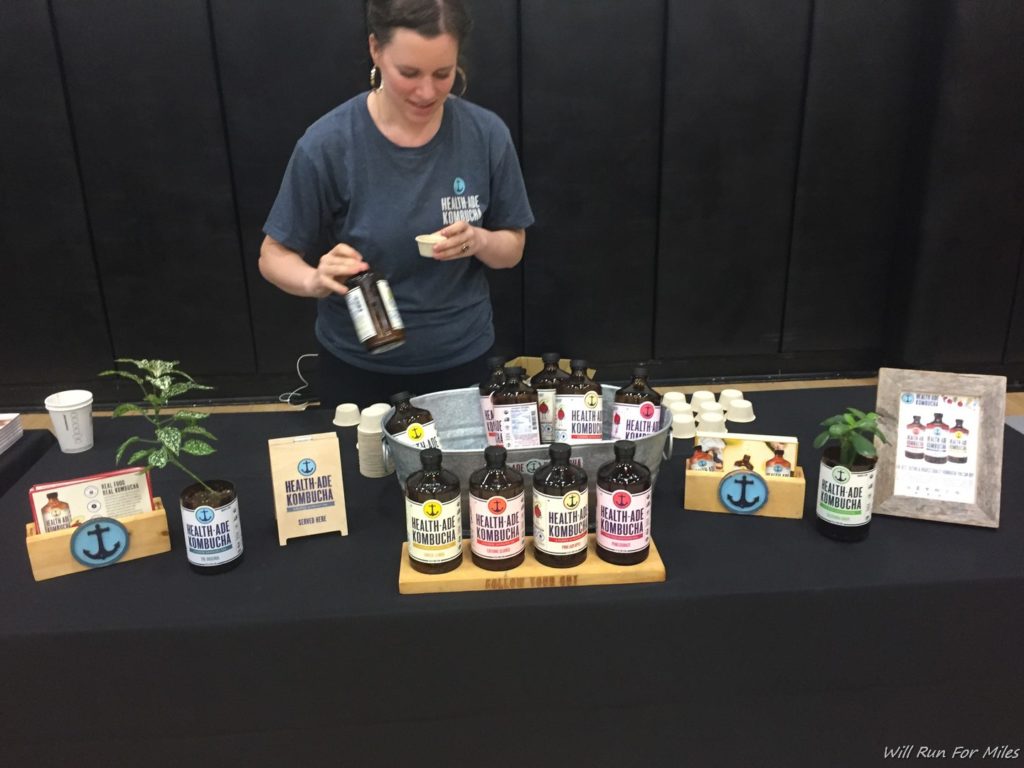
465	80
373	79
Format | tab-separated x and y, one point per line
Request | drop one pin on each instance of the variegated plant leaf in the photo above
196	430
140	455
162	383
125	444
191	415
170	438
158	458
198	448
124	408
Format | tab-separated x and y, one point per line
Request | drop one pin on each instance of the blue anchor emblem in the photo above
101	541
205	515
743	492
307	467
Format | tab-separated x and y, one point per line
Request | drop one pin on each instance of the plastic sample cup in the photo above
426	244
71	414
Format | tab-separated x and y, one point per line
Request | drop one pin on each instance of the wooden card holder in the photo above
468	577
785	494
50	553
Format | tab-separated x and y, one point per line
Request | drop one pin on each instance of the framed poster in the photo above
944	458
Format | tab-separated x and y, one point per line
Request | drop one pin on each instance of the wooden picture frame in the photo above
932	470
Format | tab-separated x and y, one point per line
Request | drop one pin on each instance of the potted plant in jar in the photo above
846	481
209	508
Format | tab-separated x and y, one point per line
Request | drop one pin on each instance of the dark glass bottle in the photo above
914	446
777	466
433	516
623	508
560	511
936	441
545	382
958	442
515	408
578	410
845	495
411	425
488	387
212	527
374	312
497	513
637	409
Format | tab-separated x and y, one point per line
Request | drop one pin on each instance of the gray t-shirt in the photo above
347	183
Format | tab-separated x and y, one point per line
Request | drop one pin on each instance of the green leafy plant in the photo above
854	431
174	434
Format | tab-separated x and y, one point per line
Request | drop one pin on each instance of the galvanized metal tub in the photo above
460	427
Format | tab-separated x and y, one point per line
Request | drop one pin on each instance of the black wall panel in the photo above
860	126
965	275
52	326
283	64
144	100
734	82
492	65
591	110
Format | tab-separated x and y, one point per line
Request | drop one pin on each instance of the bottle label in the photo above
519	426
434	530
634	421
935	442
957	444
491	424
546	412
623	520
419	435
560	522
213	535
844	497
56	518
778	470
702	464
915	439
360	314
497	526
390	307
578	418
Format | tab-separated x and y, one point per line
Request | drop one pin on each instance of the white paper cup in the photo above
710	406
682	424
426	244
712	422
71	414
726	396
740	411
671	398
369	419
346	415
698	397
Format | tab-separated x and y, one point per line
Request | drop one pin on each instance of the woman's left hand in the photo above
462	240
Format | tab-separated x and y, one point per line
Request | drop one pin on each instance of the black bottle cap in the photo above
495	456
578	363
938	417
640	371
514	370
559	452
625	450
495	361
430	458
401	397
356	280
550	357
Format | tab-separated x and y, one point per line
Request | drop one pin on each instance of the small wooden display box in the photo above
50	553
530	575
785	494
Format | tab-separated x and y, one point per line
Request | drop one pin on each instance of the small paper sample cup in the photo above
346	415
726	396
426	244
740	411
670	398
698	397
710	421
683	424
71	414
710	406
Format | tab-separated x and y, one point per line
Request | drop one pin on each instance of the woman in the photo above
406	158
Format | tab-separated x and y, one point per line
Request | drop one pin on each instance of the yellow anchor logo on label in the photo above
591	399
432	509
415	432
571	500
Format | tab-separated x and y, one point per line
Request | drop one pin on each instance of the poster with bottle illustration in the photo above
67	503
935	450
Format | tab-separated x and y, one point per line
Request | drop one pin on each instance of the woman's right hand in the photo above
335	267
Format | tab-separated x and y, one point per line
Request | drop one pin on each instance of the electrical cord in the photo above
286	397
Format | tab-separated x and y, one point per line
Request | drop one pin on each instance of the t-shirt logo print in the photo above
459	187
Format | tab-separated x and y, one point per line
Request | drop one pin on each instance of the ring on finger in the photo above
465	247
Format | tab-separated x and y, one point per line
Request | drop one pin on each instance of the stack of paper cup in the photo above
682	421
371	442
71	414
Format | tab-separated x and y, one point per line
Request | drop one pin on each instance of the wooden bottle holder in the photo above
50	553
785	494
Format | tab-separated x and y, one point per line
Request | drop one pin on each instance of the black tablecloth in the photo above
19	458
768	644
